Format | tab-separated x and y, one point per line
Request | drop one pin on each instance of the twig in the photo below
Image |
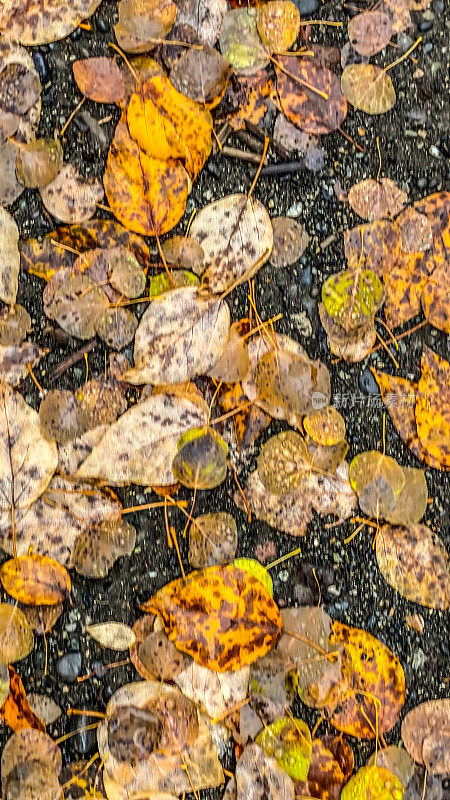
405	55
286	168
243	155
352	141
69	120
73	359
260	134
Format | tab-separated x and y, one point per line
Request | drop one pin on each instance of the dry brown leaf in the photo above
39	162
99	79
29	744
233	364
202	75
141	445
204	16
97	549
15	323
313	623
351	345
142	23
212	540
70	198
307	109
215	693
184	252
16	359
75	303
290	241
44	707
425	732
259	775
373	200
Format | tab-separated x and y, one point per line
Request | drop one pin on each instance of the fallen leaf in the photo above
353	345
238	626
15	361
97	549
45	708
15	323
141	445
267	689
282	462
184	252
366	467
303	106
326	426
10	188
376	246
71	198
35	580
374	782
30	744
116	327
26	21
412	501
154	655
370	31
256	569
288	739
291	512
290	239
215	693
16	712
16	636
201	75
233	364
75	303
313	625
395	759
39	162
113	635
236	236
278	24
201	460
212	540
415	230
425	733
352	297
9	271
295	141
373	200
148	195
374	672
204	16
415	562
259	775
251	99
142	23
433	407
240	42
99	79
33	779
249	422
330	766
368	88
180	335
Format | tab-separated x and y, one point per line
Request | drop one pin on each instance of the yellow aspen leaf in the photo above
373	783
375	691
166	124
222	616
148	195
35	580
433	407
16	711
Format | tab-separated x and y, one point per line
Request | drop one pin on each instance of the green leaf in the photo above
201	461
289	741
352	297
257	570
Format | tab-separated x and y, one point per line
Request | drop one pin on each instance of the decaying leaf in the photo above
236	236
99	79
141	445
35	580
415	562
326	426
33	779
330	767
142	23
184	252
30	744
288	739
114	635
374	677
368	88
308	110
16	712
352	297
282	462
216	693
395	759
291	512
201	75
10	266
30	23
44	707
39	162
239	625
16	636
353	345
71	198
375	246
370	31
313	625
426	735
278	24
433	407
233	364
180	335
15	323
259	775
374	782
267	689
15	361
240	42
212	540
201	460
373	200
43	619
75	303
97	549
204	16
366	467
290	239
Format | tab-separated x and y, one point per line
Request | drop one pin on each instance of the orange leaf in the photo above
433	407
308	110
99	79
148	195
35	580
222	616
166	124
16	711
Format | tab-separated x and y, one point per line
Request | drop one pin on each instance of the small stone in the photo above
434	151
419	659
368	383
68	667
283	575
307	6
302	323
425	25
85	741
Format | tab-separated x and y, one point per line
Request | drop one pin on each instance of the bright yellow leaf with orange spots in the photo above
166	124
433	407
375	690
35	580
147	194
221	616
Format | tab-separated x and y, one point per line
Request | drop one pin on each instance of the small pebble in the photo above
85	741
68	667
368	383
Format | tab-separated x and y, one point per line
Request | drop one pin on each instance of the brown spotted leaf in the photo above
236	236
368	88
99	79
433	407
308	110
222	616
70	198
97	549
375	678
203	16
31	23
290	241
426	734
10	263
30	744
201	75
212	540
415	562
16	711
16	359
142	22
376	246
259	775
278	24
373	200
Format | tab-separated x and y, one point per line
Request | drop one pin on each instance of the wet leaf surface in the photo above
289	741
240	42
70	198
290	241
35	580
31	24
306	109
39	162
368	88
99	79
258	774
374	200
375	782
212	540
370	32
425	734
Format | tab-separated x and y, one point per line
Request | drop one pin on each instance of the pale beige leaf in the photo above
44	706
16	635
10	258
31	22
216	693
259	775
27	745
181	334
141	445
14	361
115	635
70	198
368	88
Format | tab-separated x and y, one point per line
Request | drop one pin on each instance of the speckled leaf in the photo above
39	162
278	24
353	345
75	303
70	198
375	672
368	88
326	426
288	739
201	460
167	125
412	501
330	766
30	744
425	732
14	361
141	445
256	569
223	617
16	636
204	16
308	110
249	422
236	236
97	549
352	297
282	462
34	780
142	23
373	783
184	252
415	562
10	188
373	200
313	625
366	467
45	708
99	79
35	580
215	693
259	775
375	246
147	195
30	23
395	759
433	407
212	540
116	327
15	323
290	239
10	263
240	42
180	335
370	31
114	635
201	75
